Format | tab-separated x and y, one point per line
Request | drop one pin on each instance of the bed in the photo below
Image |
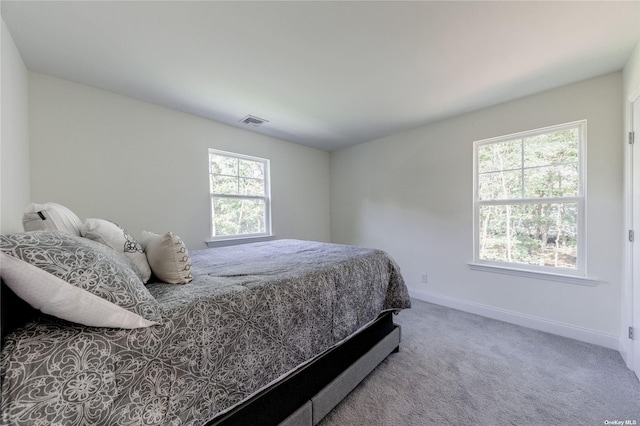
265	333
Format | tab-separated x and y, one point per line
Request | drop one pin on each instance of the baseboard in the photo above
549	326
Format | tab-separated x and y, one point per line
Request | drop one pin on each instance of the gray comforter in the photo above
252	314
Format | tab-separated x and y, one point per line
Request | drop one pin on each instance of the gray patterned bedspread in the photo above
253	313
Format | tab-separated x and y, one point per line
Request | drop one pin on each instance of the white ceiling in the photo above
325	74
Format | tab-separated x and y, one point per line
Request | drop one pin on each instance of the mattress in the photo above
252	314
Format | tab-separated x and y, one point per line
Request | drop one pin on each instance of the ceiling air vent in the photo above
253	121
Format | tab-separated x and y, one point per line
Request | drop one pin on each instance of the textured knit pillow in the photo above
117	238
168	257
76	279
51	216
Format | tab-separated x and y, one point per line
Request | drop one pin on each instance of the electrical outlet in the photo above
424	278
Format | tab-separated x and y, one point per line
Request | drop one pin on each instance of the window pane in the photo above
236	216
551	148
224	165
500	156
551	181
251	169
251	187
224	185
500	185
534	234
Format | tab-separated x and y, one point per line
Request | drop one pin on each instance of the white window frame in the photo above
217	240
575	276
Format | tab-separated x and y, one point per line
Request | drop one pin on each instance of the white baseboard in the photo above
549	326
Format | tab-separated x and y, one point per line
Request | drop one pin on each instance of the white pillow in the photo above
76	279
168	257
117	238
51	216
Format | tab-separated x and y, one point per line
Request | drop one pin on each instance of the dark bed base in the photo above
274	404
14	312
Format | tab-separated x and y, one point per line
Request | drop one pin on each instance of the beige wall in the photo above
411	194
14	139
145	167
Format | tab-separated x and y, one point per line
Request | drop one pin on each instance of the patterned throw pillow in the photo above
117	238
76	279
168	257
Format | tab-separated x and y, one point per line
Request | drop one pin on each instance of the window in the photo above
239	187
529	200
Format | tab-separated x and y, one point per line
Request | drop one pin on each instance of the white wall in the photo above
146	167
14	138
411	194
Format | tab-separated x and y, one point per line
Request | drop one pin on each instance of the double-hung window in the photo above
240	201
529	203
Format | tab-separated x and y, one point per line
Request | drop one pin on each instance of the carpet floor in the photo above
457	368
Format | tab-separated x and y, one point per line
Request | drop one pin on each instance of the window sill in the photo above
571	279
232	241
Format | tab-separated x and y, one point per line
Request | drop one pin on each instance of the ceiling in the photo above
324	74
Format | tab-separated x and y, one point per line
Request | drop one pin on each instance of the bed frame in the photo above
14	311
305	396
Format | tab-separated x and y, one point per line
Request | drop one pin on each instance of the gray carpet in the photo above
456	368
